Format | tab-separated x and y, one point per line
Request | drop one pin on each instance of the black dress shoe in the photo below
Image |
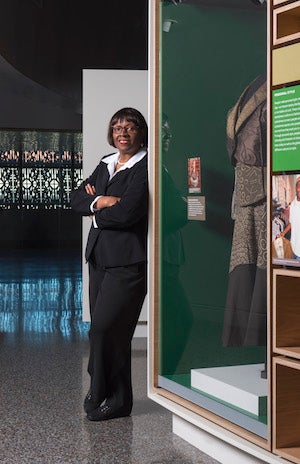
88	404
106	411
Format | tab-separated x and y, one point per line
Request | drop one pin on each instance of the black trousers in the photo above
116	298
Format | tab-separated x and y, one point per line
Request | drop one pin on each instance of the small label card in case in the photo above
196	208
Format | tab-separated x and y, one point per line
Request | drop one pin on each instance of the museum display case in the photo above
285	273
223	341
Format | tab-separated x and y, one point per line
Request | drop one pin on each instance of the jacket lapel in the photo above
257	98
237	118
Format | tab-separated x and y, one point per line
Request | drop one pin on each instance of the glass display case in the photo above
212	283
224	323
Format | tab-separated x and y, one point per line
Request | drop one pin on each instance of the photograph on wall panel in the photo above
286	219
38	169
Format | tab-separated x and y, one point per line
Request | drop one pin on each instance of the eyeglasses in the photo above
129	129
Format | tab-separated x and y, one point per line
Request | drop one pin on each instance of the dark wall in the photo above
44	45
39	229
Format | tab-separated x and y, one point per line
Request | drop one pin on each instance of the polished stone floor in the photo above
43	357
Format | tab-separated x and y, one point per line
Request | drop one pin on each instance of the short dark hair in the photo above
132	115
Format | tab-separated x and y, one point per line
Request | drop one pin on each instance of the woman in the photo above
116	197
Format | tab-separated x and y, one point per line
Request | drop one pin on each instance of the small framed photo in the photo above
194	175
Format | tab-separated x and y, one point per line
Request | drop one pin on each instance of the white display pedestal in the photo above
240	386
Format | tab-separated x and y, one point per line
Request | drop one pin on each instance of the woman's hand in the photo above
106	202
90	189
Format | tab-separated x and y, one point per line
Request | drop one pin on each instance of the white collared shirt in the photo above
111	162
295	223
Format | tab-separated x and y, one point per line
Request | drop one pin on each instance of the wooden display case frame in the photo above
173	402
280	2
285	281
286	407
286	23
281	399
286	314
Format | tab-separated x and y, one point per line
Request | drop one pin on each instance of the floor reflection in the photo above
40	292
43	358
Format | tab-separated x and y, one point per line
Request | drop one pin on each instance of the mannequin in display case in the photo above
245	312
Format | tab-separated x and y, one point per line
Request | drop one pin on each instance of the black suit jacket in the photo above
121	236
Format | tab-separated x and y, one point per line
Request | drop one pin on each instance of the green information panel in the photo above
286	129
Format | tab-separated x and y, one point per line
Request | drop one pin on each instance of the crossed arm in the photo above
113	211
105	201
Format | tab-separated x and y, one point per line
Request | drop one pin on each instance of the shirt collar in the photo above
111	161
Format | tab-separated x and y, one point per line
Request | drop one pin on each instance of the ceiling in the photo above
51	41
